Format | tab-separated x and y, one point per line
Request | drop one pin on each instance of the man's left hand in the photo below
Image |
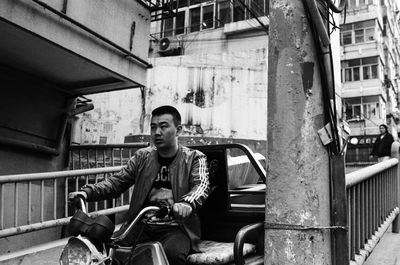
182	210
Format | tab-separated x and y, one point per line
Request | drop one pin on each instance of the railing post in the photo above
395	154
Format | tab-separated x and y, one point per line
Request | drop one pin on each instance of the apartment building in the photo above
370	70
210	60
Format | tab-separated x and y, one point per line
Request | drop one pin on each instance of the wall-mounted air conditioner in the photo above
169	46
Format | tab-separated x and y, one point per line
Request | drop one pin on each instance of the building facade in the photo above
210	61
370	68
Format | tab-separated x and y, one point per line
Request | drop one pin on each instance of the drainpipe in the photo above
297	213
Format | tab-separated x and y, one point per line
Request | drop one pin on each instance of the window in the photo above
208	17
238	11
348	75
352	70
371	110
180	23
197	15
361	108
357	111
363	31
194	19
103	140
356	74
347	37
201	17
168	27
224	13
359	35
257	7
359	3
353	111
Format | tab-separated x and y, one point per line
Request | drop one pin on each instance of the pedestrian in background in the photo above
382	145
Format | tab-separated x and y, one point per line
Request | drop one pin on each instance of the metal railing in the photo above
372	200
30	202
372	197
107	155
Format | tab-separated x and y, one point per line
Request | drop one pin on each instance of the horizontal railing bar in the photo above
54	223
57	174
362	174
108	146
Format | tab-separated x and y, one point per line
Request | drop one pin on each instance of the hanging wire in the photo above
320	16
337	9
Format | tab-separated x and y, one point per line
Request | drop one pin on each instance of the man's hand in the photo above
182	210
73	196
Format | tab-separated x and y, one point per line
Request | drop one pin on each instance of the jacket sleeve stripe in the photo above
203	182
200	188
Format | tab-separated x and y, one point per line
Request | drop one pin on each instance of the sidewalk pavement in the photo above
387	251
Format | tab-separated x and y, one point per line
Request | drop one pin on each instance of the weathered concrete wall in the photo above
298	168
115	115
220	92
111	19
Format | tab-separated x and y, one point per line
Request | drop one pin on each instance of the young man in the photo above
165	172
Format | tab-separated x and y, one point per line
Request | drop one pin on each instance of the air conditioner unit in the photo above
169	46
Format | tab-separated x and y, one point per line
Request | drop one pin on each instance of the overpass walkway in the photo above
371	196
387	252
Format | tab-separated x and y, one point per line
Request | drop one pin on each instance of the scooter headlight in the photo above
75	253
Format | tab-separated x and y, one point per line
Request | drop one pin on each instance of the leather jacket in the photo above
189	182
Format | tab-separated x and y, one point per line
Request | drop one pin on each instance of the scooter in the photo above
93	243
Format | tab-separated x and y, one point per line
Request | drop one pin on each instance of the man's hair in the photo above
168	110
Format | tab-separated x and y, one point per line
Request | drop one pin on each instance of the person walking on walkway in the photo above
382	145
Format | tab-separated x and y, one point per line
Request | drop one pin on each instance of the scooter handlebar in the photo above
160	211
80	203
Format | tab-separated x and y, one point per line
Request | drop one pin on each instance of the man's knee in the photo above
176	256
177	249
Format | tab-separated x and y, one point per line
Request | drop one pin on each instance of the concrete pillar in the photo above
297	193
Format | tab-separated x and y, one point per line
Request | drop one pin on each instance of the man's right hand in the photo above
73	196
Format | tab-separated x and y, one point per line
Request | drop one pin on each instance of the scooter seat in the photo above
213	253
98	230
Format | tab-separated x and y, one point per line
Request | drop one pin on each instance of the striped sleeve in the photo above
199	183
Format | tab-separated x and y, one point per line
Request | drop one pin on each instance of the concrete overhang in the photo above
25	51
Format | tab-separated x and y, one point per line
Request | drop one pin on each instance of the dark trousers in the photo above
175	242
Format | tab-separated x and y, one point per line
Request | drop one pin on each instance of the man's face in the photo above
382	129
163	131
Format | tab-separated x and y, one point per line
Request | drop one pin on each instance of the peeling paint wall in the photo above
116	114
215	100
220	92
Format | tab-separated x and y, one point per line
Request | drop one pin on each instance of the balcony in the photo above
361	13
361	50
363	88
